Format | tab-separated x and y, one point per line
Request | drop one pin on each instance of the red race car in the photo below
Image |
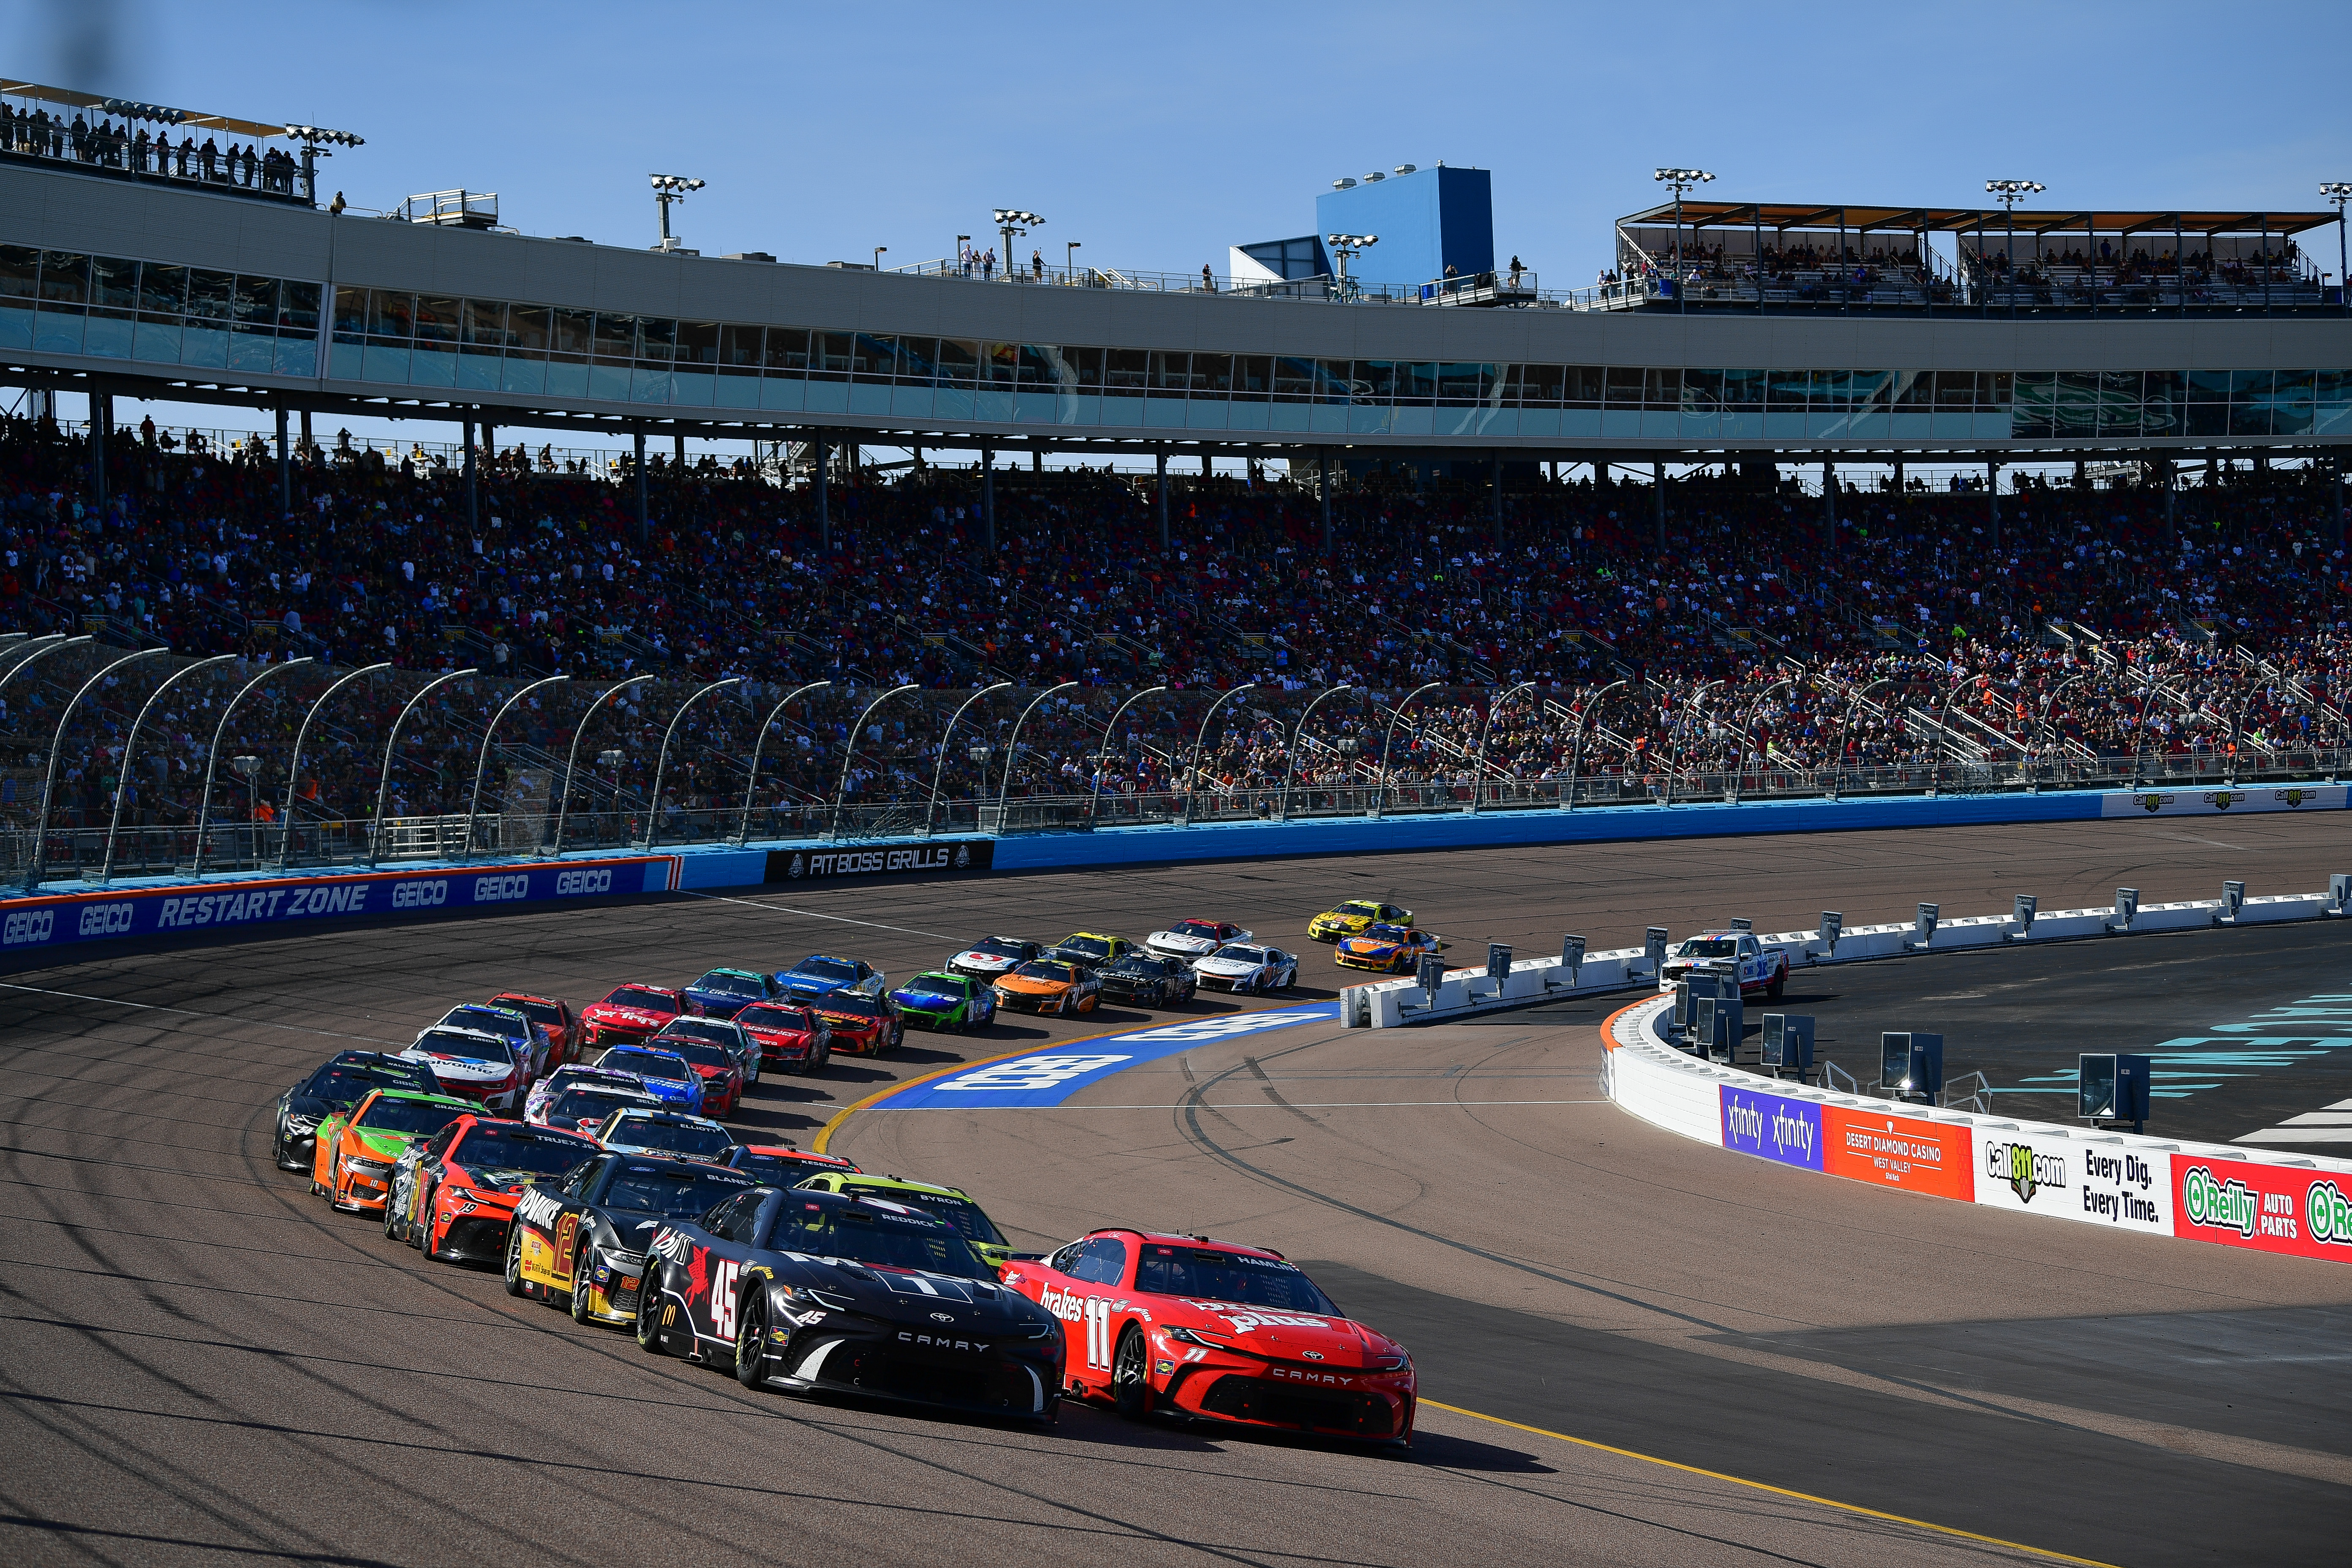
1217	1331
555	1019
462	1194
791	1037
630	1015
783	1165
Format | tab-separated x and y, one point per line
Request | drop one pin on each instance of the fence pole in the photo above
849	751
48	787
384	779
294	767
131	745
938	775
653	804
1012	746
474	805
571	763
1198	744
753	782
212	757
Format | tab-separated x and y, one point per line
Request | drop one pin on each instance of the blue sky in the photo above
1159	136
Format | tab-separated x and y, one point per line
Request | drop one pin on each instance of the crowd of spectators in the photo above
1776	630
36	132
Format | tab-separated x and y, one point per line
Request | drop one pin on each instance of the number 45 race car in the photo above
1728	953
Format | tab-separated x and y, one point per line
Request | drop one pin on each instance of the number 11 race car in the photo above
1217	1331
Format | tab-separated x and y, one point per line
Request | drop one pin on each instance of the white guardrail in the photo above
2152	1187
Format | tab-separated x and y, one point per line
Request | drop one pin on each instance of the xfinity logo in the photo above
1792	1133
28	925
495	889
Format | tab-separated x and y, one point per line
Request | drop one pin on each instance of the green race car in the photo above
357	1152
947	1002
953	1204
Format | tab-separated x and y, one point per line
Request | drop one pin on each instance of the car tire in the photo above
578	1303
649	1320
751	1340
1779	985
516	1284
392	1230
1130	1375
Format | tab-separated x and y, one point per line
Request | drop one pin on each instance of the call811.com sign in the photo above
40	922
2095	1181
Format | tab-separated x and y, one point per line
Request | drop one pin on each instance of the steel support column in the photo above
644	520
1162	456
823	449
988	496
285	466
473	495
294	764
1323	489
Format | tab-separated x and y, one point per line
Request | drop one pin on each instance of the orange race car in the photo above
357	1152
555	1019
455	1202
1048	985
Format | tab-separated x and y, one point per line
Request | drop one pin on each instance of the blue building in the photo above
1427	220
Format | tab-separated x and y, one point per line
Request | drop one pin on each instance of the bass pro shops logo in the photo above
799	866
2152	801
2025	1169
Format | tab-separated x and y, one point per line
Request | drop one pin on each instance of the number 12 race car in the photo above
1220	1332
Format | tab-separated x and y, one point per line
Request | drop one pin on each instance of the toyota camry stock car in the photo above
356	1153
453	1200
1728	953
814	1293
629	1014
1217	1331
340	1083
582	1240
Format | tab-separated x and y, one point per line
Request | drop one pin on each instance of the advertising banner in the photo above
1772	1126
56	919
1902	1152
944	857
2197	800
2100	1183
2268	1208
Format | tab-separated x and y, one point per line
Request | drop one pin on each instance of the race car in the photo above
994	956
510	1024
810	1291
585	1107
1147	981
356	1153
724	1033
947	1002
1349	919
722	1077
860	1024
1218	1332
1245	966
1189	939
667	1076
1091	949
456	1194
723	992
582	1240
476	1064
340	1082
1759	969
628	1015
1386	949
555	1019
1049	986
550	1089
791	1037
953	1204
664	1134
818	974
779	1165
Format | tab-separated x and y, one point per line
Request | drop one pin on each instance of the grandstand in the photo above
1533	632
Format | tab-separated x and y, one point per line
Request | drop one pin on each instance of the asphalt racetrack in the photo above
1631	1348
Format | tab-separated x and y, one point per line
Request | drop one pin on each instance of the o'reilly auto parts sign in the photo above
945	857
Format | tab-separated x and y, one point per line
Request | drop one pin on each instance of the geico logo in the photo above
570	884
491	890
28	925
420	895
105	919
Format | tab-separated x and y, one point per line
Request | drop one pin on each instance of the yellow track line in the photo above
2043	1551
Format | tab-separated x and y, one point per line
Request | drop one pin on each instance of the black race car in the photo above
339	1084
822	1293
582	1240
1146	981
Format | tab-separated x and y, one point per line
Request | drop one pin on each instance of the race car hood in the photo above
1029	986
490	1184
1340	1342
916	1297
847	1023
462	1069
1365	947
994	963
628	1017
1169	942
390	1145
775	1032
926	1002
1226	966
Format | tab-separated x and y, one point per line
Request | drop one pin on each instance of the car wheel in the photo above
516	1284
1779	984
648	1323
394	1229
751	1340
580	1286
897	1035
1131	1380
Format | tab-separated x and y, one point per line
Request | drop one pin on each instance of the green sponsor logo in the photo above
2220	1205
2327	1214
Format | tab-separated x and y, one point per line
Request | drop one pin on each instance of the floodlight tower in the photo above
2008	193
668	188
2339	192
1346	247
1011	221
1680	180
315	140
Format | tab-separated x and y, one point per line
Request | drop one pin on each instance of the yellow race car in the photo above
1387	949
1350	918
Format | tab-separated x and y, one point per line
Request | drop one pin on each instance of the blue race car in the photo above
668	1077
723	992
818	974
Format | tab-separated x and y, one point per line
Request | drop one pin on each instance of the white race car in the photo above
1728	953
1189	939
992	957
549	1090
665	1134
1245	966
474	1064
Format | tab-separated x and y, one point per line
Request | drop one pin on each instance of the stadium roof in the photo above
1955	220
99	102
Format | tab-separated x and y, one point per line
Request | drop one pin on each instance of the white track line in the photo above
818	915
1251	1105
191	1013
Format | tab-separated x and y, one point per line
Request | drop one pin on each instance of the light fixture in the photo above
1680	179
1405	169
1011	221
154	111
668	188
1374	178
1343	184
317	136
2008	192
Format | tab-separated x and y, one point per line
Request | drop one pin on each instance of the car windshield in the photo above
710	1030
1709	947
1242	955
450	1043
875	1235
642	999
773	1018
773	1169
546	1012
838	971
1001	947
933	986
1388	934
349	1085
1367	911
1088	946
1196	928
577	1076
1043	970
1207	1274
703	1054
1136	963
503	1155
645	1064
578	1105
730	985
674	1195
850	1004
497	1020
391	1115
672	1137
962	1213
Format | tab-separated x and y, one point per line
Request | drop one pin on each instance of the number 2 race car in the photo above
1759	968
1217	1331
582	1240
